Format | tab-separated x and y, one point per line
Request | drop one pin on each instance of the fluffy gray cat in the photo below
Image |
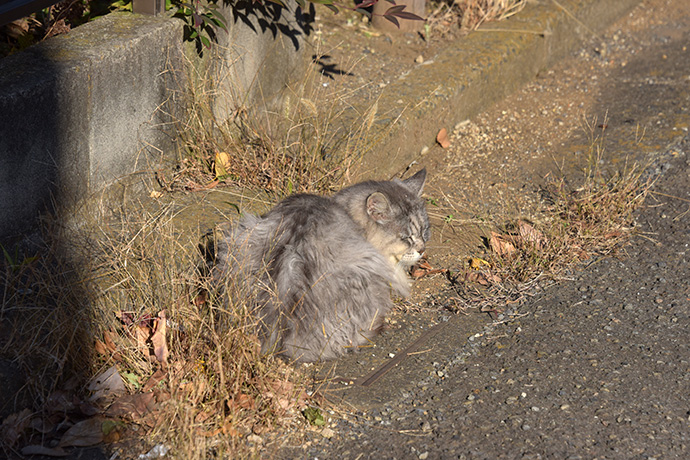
321	269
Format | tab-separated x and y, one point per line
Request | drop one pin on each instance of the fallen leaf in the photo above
424	268
141	335
13	426
476	263
442	138
132	379
134	406
153	381
314	416
107	384
43	425
84	433
222	165
60	401
201	298
482	277
101	349
530	234
160	347
194	187
500	245
245	401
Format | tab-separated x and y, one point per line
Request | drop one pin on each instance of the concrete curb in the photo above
81	110
478	70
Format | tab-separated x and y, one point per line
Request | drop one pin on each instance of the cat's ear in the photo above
378	207
416	183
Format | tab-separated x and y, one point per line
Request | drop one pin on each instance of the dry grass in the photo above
296	148
124	297
466	15
578	223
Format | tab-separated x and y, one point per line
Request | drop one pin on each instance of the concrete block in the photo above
82	110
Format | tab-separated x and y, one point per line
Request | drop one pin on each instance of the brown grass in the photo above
95	300
466	15
297	147
577	224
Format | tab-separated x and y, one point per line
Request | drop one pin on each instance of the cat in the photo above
321	269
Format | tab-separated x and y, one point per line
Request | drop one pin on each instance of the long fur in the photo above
321	270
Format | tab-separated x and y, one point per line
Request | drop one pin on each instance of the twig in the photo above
381	371
496	323
670	196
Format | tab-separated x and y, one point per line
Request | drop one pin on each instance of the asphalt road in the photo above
597	366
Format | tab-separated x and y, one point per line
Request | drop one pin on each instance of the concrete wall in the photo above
261	54
80	111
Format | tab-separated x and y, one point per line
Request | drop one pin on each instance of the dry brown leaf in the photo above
60	401
442	138
204	415
424	268
107	384
500	245
201	298
153	381
85	433
13	427
135	406
101	349
44	425
228	429
242	401
108	339
160	347
530	234
613	234
141	336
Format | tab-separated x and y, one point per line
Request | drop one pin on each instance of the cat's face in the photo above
401	224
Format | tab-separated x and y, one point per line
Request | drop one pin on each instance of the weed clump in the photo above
447	16
577	223
297	147
119	347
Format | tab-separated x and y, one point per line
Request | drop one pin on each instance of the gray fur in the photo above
322	269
